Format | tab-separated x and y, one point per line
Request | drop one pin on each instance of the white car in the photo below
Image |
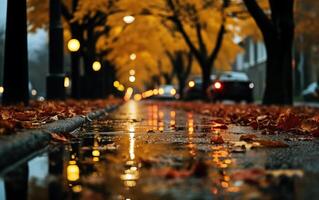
311	93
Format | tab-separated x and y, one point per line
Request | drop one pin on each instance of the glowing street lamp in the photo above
96	66
34	92
131	79
133	56
73	171
74	45
132	72
121	88
138	97
116	84
191	84
128	19
67	82
128	94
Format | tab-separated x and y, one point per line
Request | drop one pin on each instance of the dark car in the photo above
193	89
232	86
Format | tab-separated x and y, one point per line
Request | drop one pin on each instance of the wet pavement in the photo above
149	151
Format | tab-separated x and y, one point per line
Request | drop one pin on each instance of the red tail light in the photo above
217	85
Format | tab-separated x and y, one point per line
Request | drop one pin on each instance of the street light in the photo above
67	82
128	94
116	84
128	19
121	88
74	45
96	66
132	72
138	97
34	92
131	79
191	84
133	56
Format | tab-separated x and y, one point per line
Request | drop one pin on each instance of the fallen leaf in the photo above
58	137
248	137
217	139
288	121
219	126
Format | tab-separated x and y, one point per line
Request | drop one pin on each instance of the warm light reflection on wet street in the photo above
146	150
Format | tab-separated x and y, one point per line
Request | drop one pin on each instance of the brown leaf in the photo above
288	121
7	126
248	137
217	139
219	126
59	137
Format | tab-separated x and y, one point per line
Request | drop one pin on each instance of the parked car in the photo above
311	93
193	89
167	92
232	86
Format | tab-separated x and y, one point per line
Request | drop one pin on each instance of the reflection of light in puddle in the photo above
132	109
222	160
191	145
73	172
132	146
95	152
172	120
173	114
190	123
161	114
131	128
77	188
161	126
131	174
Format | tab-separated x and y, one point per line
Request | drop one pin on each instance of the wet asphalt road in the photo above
149	151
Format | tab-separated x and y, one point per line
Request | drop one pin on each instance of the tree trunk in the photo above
16	77
55	79
181	86
206	70
279	43
278	33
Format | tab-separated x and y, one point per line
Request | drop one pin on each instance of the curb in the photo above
18	146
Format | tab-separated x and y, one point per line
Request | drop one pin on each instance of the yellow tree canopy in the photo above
152	33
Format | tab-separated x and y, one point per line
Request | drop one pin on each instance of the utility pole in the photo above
16	77
55	79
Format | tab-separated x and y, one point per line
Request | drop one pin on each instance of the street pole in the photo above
55	79
15	78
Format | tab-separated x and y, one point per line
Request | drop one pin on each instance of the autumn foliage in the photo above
19	117
299	120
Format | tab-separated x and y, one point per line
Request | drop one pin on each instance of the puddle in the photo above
147	151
